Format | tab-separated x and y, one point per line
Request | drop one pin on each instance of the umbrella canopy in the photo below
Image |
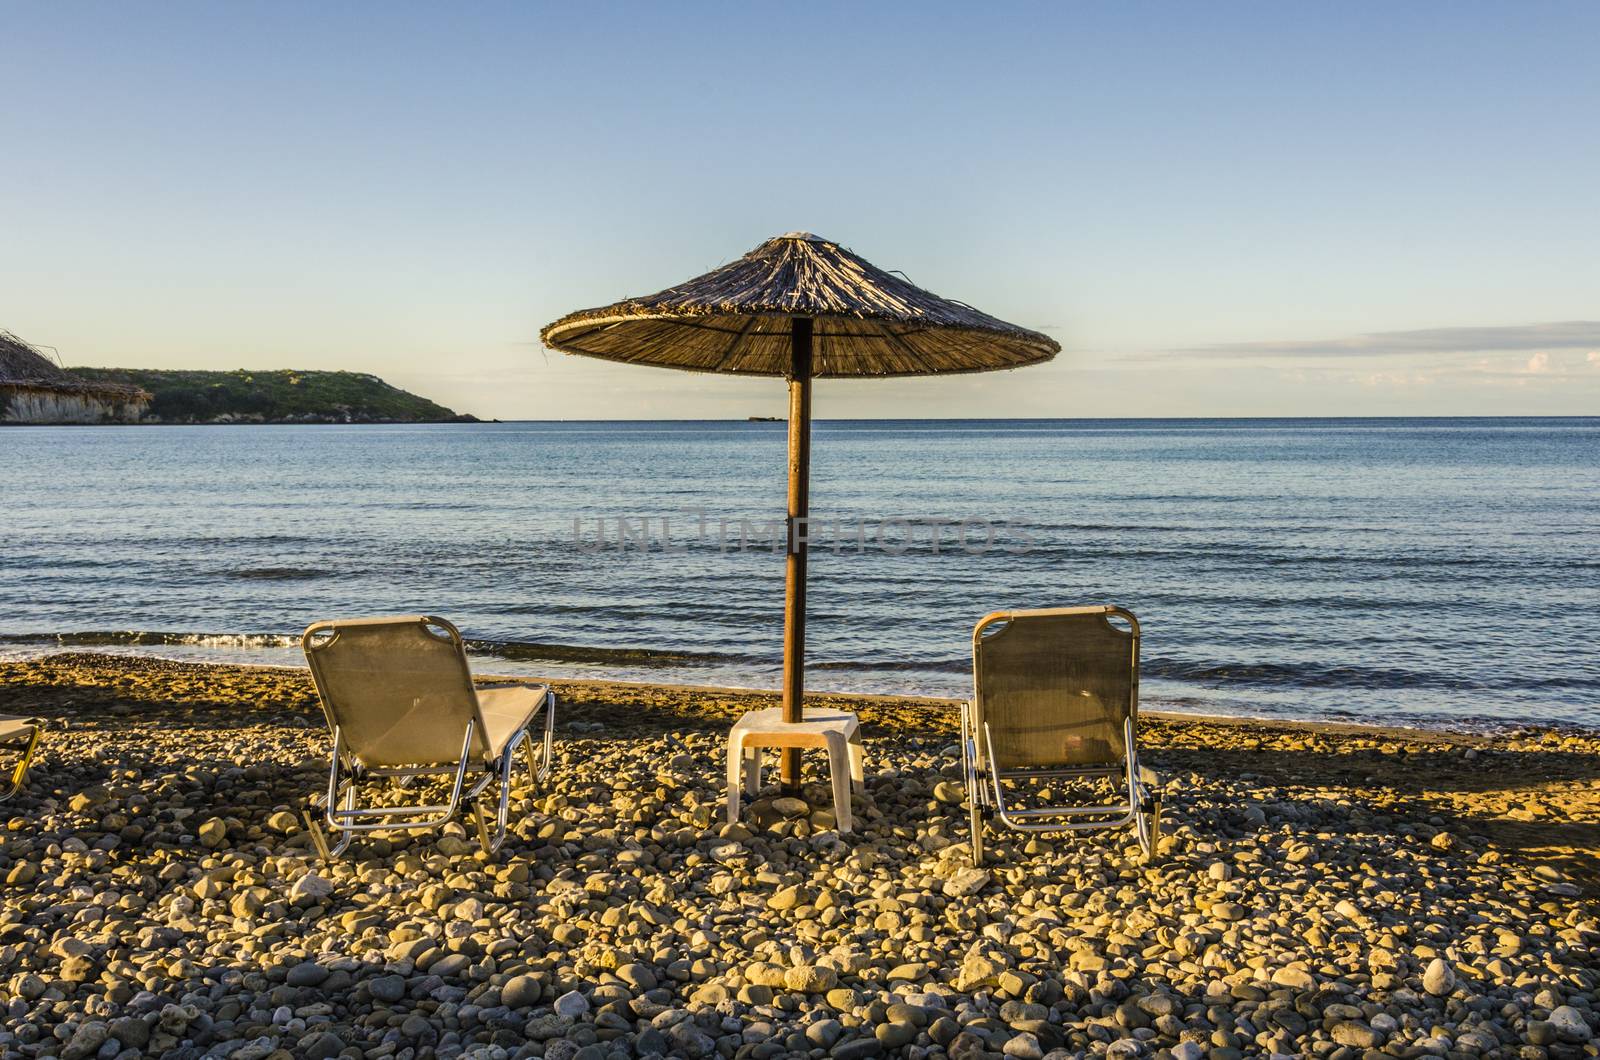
737	319
801	307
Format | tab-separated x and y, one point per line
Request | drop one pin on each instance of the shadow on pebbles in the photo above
158	897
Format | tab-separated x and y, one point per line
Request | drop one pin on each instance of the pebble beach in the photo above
1319	890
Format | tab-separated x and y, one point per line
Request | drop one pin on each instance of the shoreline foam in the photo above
50	645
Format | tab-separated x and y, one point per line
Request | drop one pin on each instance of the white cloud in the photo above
1395	380
1539	362
1555	336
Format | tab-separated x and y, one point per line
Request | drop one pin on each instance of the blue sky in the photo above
1217	209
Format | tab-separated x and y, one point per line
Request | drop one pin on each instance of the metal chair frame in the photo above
19	772
986	797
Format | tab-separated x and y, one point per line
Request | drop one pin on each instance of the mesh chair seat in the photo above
507	710
1054	688
15	725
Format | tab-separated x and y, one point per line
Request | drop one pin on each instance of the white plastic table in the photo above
837	730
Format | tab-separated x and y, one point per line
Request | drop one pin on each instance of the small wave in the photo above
1286	674
150	638
530	651
933	666
280	574
521	651
1213	675
1363	678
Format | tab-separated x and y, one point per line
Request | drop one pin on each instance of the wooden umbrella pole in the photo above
794	597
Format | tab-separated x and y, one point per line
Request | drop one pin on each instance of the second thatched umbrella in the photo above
801	307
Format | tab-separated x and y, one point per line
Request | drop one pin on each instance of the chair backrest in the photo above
1056	686
398	689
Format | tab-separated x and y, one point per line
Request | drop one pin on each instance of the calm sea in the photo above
1388	570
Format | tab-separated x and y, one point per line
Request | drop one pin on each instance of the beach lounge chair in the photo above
400	701
25	734
1055	699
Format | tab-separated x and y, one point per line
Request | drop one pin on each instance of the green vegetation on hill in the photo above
282	396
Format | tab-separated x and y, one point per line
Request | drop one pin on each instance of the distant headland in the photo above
36	390
273	396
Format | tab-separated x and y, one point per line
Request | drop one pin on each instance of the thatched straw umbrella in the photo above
804	308
23	365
